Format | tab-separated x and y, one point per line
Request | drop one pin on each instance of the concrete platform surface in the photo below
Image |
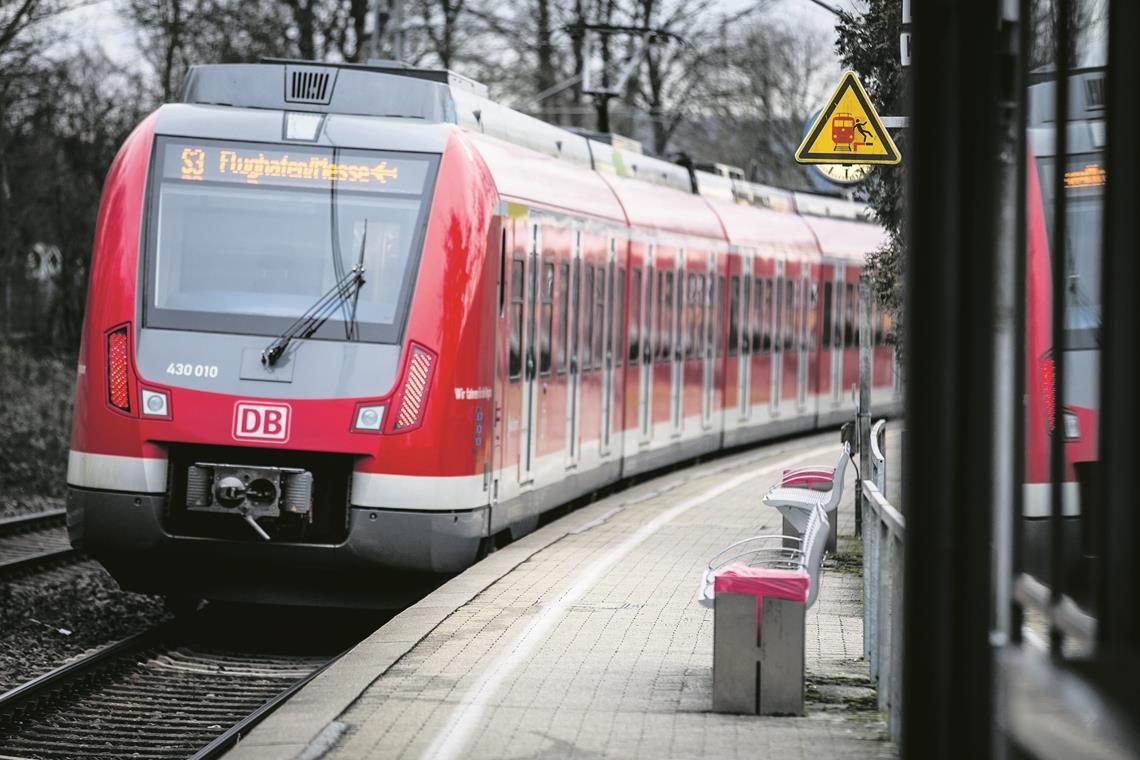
585	640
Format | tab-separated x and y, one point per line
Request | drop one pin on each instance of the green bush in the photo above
36	396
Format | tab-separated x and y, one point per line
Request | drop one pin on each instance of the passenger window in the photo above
718	309
619	325
746	309
575	311
710	312
827	315
849	322
514	364
545	339
757	315
599	315
588	309
503	272
778	335
667	330
789	326
733	311
660	321
635	316
563	316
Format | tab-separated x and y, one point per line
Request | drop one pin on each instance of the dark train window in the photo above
588	310
635	316
563	315
600	304
790	324
827	315
766	337
514	365
575	312
849	317
733	315
777	335
668	300
702	316
679	300
659	321
746	309
757	315
546	338
855	320
718	308
503	272
619	325
710	312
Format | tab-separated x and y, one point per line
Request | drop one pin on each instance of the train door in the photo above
807	329
529	428
648	348
778	338
678	355
608	349
837	334
707	339
574	371
744	364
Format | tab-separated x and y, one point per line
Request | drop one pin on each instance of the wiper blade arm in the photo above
316	315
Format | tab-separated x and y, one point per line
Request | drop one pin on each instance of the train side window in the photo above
849	317
778	333
708	289
575	311
659	331
733	311
619	325
514	364
718	309
668	299
701	316
563	316
635	316
827	315
766	307
855	320
679	301
546	338
600	303
588	309
503	272
745	311
757	315
790	326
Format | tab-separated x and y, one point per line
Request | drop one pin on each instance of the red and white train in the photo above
1078	419
350	325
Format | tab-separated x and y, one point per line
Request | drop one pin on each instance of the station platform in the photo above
585	640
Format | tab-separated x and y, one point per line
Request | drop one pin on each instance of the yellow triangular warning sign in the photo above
847	130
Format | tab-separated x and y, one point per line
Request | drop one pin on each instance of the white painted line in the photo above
452	740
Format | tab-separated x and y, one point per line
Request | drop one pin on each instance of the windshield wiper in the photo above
336	298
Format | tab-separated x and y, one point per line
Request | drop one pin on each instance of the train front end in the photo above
287	284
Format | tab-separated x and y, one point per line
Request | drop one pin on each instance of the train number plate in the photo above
254	421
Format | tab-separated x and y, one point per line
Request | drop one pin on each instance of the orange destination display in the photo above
312	168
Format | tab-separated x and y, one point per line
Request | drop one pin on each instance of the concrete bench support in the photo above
764	677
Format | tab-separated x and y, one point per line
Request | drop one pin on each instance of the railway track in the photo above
33	542
186	689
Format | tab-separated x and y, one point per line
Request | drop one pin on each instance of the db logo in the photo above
261	422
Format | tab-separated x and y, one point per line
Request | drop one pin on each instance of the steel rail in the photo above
230	737
66	675
32	521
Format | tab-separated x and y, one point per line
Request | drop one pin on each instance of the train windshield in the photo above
1084	210
245	237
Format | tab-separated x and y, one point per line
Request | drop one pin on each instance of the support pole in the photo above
863	426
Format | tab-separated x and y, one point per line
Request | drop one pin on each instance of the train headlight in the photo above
1072	426
155	403
369	418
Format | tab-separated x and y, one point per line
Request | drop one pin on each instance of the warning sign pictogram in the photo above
847	130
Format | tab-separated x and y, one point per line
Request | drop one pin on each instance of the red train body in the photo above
539	317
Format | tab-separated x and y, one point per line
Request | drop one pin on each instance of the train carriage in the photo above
350	327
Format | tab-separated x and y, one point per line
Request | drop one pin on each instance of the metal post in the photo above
948	695
864	423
